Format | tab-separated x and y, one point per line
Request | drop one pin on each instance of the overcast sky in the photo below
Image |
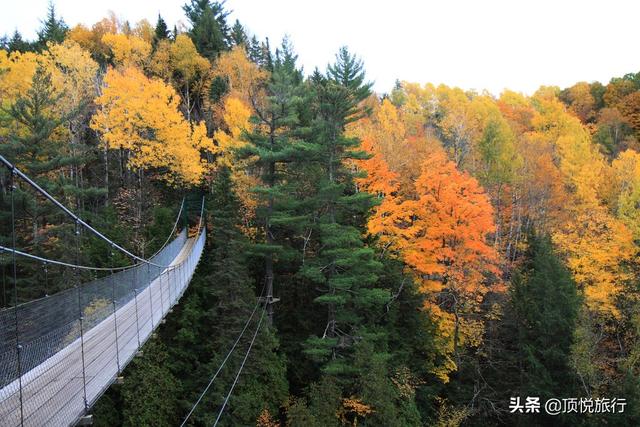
472	44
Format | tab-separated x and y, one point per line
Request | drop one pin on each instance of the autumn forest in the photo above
425	255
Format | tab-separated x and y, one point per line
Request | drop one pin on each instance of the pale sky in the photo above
490	44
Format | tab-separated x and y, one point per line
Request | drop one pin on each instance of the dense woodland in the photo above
434	251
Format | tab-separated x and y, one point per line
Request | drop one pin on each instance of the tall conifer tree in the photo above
53	28
274	145
209	29
161	31
343	268
217	306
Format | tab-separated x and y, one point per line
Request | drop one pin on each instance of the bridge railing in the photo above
46	325
72	345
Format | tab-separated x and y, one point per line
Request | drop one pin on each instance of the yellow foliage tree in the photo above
160	62
241	76
180	63
582	101
91	39
460	123
74	75
401	148
18	69
127	50
352	410
73	72
141	116
144	30
236	119
597	246
232	112
16	74
236	116
626	173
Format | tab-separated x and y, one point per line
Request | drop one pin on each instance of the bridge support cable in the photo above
16	172
246	356
224	361
47	262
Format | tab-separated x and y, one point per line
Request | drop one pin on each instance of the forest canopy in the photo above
423	255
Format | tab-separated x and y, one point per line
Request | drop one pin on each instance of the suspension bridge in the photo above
59	353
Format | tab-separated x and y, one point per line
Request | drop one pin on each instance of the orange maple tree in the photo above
446	245
441	234
445	232
380	180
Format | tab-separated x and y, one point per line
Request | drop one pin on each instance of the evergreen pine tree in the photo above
325	398
161	31
275	146
218	303
546	304
17	44
53	29
238	35
545	309
348	72
33	147
33	111
267	58
343	268
209	30
149	393
254	51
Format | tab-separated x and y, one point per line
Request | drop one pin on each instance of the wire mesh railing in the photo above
39	321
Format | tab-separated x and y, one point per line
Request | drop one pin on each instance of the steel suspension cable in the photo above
63	264
224	361
246	356
86	267
76	218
